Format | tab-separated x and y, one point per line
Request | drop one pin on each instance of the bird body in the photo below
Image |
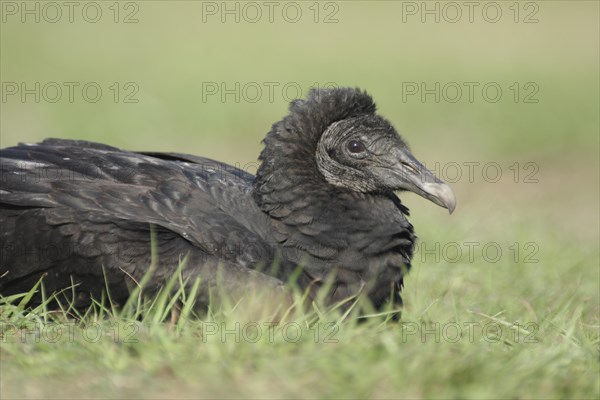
321	205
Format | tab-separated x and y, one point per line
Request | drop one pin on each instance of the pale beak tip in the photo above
451	208
442	195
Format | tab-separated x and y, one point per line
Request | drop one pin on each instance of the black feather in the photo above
71	208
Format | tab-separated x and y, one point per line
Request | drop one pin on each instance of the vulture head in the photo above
335	137
366	154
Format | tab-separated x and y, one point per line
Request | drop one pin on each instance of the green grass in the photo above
545	298
524	329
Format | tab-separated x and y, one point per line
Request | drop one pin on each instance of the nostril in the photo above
410	168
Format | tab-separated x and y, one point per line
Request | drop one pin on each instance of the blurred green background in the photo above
170	52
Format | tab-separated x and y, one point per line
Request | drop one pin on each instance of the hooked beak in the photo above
409	174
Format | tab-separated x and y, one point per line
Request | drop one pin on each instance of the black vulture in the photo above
321	208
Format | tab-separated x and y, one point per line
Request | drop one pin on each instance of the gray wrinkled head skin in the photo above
355	148
366	154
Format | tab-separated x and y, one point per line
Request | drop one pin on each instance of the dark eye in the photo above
355	147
